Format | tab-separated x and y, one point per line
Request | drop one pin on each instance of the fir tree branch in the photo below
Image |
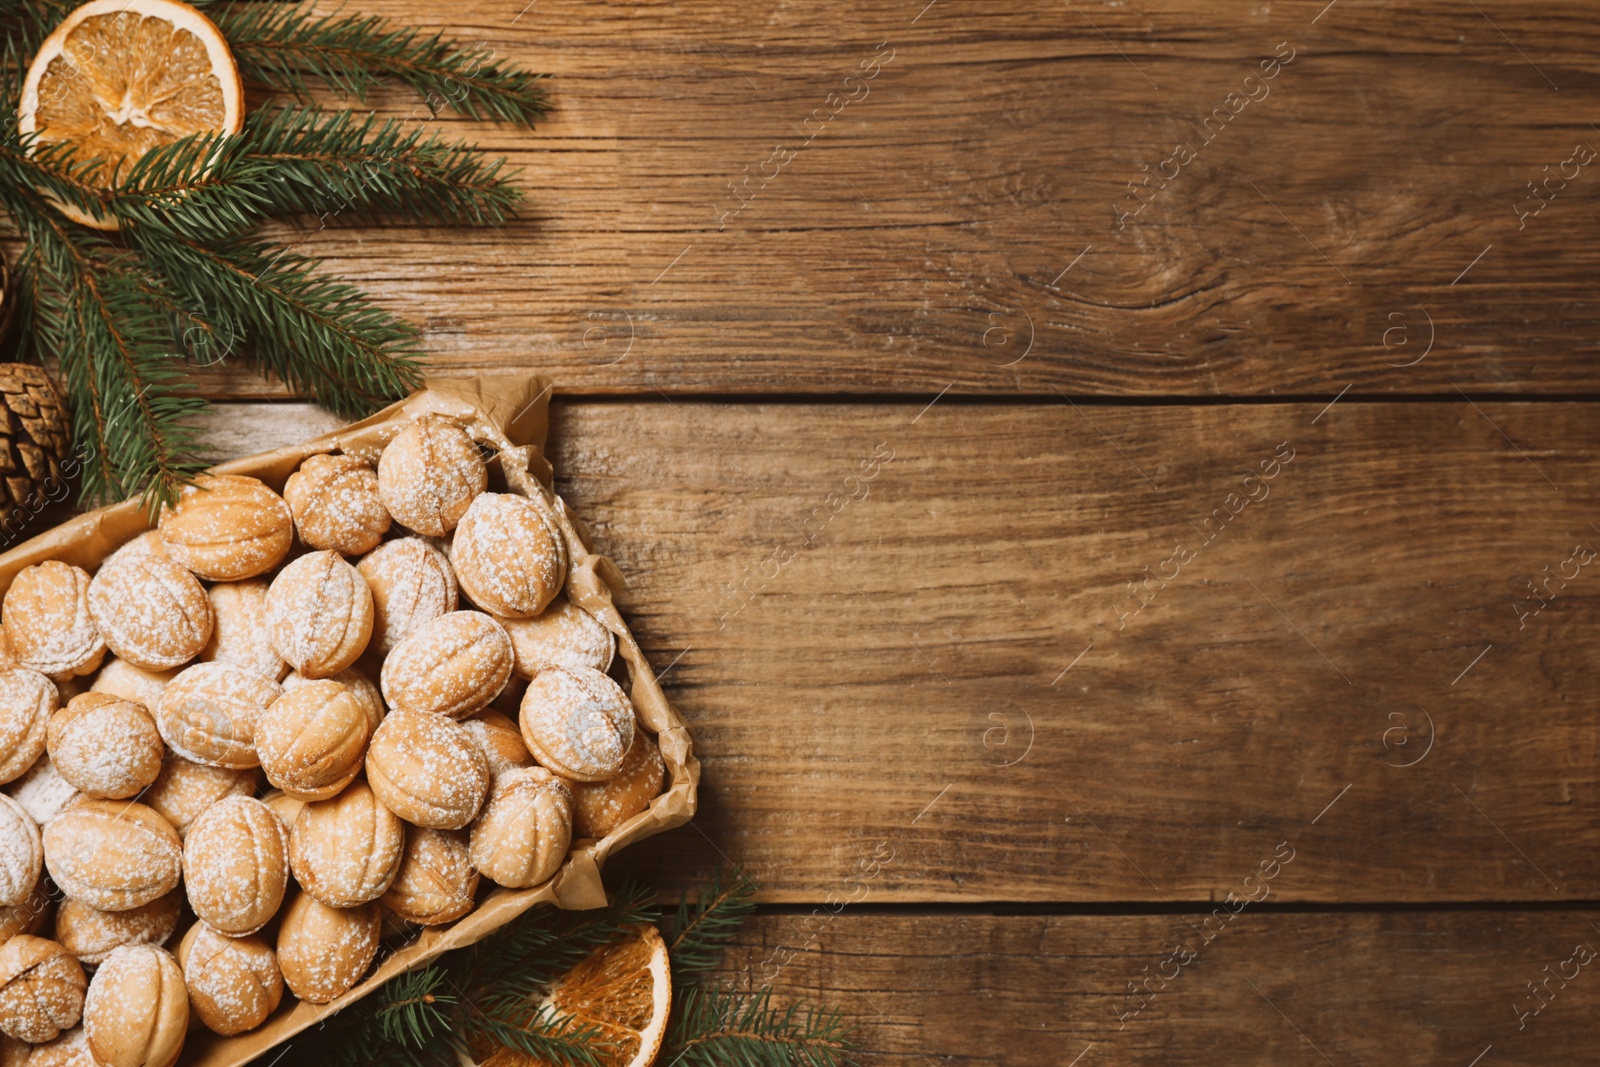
321	335
699	934
714	1029
284	47
541	1035
330	164
112	341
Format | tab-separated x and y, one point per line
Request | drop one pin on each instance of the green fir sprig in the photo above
185	283
487	995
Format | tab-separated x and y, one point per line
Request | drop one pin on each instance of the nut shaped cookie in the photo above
577	722
429	474
21	854
241	635
92	935
426	769
345	851
151	612
113	854
509	554
336	505
319	610
324	951
411	583
105	746
48	622
563	635
208	713
436	881
27	700
41	989
137	1010
227	527
522	834
312	739
236	865
452	665
234	982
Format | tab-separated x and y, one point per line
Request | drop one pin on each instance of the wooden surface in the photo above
881	451
918	238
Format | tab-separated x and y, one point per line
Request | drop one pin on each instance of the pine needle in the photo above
700	932
711	1028
285	47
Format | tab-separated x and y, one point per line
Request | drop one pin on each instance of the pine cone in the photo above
35	441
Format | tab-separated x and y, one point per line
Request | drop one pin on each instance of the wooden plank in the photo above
955	224
879	617
1272	989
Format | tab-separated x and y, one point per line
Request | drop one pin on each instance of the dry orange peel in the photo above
623	991
120	77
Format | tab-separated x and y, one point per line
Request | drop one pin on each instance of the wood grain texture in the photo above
924	231
878	619
1272	989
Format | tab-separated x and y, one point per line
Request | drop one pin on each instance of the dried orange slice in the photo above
120	77
624	991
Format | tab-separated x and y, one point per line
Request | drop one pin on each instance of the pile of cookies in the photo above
198	755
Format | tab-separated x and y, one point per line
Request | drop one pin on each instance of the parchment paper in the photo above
509	417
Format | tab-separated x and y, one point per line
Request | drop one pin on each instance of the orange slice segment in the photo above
624	991
120	77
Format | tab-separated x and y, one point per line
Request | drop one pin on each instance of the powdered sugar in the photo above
336	504
42	792
428	475
21	853
47	619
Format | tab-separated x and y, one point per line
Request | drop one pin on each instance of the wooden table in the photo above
1112	486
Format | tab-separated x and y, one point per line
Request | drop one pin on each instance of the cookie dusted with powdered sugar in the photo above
451	666
335	503
509	554
436	881
208	713
311	740
577	722
345	850
105	746
48	621
563	635
411	584
324	951
137	1010
113	854
429	474
234	982
41	988
92	935
241	634
521	836
601	807
236	865
27	700
319	611
426	769
226	527
151	612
